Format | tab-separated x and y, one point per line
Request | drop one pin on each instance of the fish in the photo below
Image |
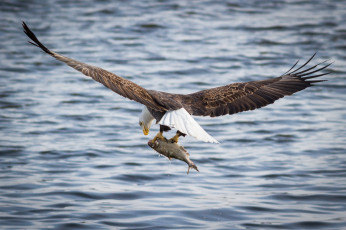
171	150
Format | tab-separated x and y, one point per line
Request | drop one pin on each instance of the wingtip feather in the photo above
34	40
306	74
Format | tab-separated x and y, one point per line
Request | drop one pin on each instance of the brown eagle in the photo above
175	110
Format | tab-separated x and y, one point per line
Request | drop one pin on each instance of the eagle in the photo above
171	110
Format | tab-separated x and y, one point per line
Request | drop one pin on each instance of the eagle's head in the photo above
145	120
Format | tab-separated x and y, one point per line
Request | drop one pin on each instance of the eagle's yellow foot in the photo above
159	136
176	137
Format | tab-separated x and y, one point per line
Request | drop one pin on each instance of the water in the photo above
74	157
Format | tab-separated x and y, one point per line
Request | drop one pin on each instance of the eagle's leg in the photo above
159	135
176	137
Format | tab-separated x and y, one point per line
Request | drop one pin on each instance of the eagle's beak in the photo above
145	131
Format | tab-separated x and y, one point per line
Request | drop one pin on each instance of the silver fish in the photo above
172	150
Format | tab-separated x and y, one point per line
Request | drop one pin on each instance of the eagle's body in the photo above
175	110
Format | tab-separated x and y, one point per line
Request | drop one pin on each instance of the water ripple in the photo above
73	156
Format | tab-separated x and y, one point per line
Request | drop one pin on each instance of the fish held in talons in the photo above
172	150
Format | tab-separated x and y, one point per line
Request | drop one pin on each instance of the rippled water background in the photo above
74	157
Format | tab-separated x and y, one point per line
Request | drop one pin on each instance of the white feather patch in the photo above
181	120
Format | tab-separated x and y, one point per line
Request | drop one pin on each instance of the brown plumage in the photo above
228	99
112	81
239	97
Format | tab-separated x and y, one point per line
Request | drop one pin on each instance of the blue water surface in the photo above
72	155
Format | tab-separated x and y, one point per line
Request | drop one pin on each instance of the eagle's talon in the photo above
159	136
174	139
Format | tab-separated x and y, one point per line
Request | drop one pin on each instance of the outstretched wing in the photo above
239	97
118	84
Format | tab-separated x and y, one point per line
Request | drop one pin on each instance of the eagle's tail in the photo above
181	120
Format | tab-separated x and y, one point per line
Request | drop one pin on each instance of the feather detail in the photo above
239	97
181	120
119	85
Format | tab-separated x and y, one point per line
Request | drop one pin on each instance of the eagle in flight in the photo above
176	110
